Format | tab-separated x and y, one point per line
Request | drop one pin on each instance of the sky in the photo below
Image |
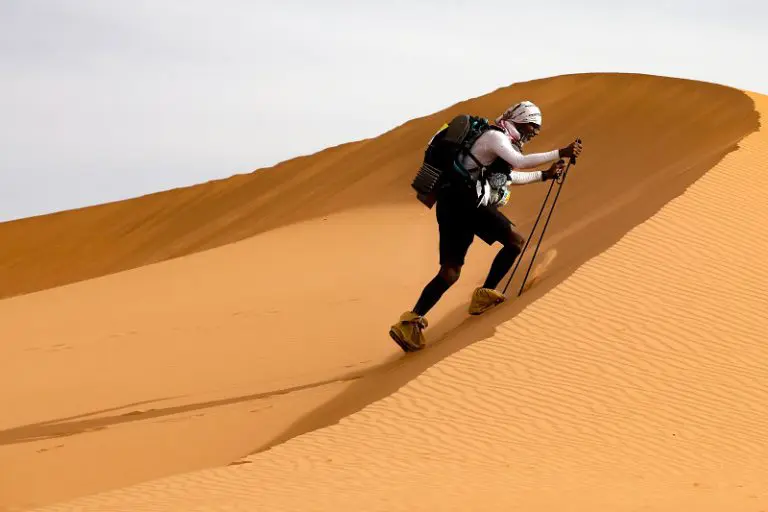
102	100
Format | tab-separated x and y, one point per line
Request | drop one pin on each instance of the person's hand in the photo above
572	150
554	171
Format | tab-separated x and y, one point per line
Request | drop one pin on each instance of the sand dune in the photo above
636	384
629	375
643	132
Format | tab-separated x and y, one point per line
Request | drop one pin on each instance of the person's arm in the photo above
523	178
516	160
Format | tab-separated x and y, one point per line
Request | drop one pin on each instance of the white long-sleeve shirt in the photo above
494	144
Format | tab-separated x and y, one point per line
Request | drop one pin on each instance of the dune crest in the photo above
229	344
617	116
638	382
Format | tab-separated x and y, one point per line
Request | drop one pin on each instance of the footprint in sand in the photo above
540	269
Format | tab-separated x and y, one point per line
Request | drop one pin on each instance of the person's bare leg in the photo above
407	332
502	263
435	289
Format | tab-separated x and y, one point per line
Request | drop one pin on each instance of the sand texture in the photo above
257	374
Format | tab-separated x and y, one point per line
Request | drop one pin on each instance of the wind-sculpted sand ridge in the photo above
636	383
640	132
198	361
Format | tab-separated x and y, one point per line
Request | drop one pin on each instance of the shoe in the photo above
484	299
407	332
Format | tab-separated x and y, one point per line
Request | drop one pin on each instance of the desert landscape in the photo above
224	346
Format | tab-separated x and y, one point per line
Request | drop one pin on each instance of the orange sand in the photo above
630	375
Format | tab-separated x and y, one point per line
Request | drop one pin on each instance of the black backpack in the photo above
441	158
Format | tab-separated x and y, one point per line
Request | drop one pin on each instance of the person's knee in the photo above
514	239
450	273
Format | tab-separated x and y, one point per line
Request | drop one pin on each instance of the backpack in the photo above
441	165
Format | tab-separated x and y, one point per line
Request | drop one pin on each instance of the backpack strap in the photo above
470	141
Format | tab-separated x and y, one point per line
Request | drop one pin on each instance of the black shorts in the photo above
459	220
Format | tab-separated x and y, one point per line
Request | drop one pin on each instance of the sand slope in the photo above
198	361
639	130
638	383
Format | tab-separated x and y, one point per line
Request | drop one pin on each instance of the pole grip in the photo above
573	159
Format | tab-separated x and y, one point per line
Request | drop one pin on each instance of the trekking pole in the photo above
571	160
528	240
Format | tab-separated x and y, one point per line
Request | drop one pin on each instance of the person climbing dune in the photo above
467	203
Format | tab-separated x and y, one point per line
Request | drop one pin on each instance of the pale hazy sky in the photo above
104	99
